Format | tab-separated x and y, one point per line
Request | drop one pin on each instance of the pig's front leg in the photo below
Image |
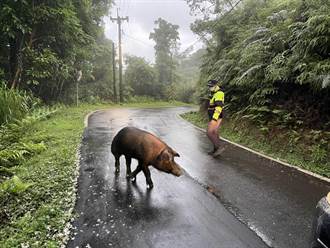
135	172
146	172
117	165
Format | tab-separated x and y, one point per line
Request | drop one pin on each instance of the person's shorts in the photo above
211	112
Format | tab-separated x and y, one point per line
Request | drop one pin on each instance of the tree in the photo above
210	7
141	77
47	42
166	37
97	82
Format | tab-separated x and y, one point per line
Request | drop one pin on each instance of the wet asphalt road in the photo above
274	201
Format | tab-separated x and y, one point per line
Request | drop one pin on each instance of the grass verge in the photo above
305	150
35	203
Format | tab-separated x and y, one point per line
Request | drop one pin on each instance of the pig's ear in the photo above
163	155
175	154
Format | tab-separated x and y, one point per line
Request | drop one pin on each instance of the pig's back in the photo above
137	143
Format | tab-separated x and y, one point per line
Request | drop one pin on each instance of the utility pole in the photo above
114	72
119	19
79	75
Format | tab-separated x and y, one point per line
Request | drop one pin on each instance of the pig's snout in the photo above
177	171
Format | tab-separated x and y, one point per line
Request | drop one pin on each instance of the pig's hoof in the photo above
133	179
150	186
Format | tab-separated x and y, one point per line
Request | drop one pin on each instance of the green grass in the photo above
35	203
299	149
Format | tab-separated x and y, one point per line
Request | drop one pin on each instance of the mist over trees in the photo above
173	76
141	77
188	73
166	37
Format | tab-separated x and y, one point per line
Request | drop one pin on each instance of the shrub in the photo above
15	104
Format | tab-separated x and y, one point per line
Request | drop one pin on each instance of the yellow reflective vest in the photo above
215	109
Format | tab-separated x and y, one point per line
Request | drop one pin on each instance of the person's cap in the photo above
212	82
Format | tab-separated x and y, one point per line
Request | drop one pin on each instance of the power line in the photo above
128	5
136	39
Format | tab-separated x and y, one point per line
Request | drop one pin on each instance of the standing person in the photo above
215	113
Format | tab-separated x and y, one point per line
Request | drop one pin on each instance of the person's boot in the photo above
211	152
219	151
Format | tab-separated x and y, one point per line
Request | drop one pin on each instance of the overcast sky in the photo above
142	14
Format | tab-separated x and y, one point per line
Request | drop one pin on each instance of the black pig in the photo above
147	149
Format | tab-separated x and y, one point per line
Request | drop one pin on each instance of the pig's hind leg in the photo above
128	166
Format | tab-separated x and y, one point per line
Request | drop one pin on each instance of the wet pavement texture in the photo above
215	204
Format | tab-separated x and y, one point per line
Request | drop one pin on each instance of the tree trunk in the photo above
14	83
61	88
12	60
15	59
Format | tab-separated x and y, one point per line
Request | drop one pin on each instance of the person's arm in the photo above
219	103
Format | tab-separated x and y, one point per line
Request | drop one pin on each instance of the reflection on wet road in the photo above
276	202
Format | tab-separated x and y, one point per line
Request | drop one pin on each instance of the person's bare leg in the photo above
210	136
212	133
216	133
219	149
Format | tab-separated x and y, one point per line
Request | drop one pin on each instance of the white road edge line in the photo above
68	226
89	114
261	154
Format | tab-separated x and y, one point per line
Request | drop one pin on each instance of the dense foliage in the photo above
188	72
44	44
273	59
141	77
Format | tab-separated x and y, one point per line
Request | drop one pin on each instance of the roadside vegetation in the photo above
37	172
308	150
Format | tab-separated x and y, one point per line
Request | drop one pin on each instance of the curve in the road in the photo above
275	201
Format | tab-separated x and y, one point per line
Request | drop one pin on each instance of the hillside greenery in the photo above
272	58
